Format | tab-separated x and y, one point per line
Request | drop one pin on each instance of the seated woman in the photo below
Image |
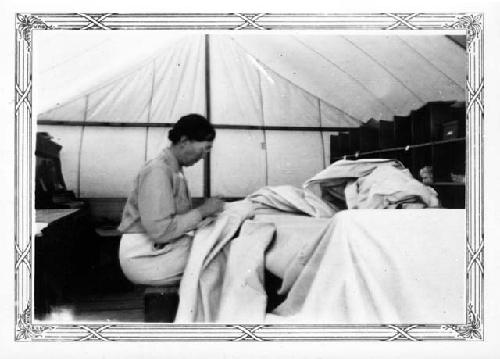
158	214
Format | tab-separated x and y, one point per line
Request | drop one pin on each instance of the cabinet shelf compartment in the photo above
427	121
369	136
449	157
386	134
421	157
339	145
451	196
402	131
335	150
354	140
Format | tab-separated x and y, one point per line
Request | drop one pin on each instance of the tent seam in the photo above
149	110
431	64
131	70
294	84
349	75
385	69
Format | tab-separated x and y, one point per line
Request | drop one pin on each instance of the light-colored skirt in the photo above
143	263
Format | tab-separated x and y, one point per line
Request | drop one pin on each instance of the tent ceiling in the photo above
363	76
366	76
301	81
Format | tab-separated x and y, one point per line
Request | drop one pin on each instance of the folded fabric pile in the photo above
291	199
371	183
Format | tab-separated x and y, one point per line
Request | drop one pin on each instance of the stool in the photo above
160	304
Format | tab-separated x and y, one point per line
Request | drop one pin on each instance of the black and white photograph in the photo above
249	177
330	178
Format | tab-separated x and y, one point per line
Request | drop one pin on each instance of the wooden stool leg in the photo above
160	306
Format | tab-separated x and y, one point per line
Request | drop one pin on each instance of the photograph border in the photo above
470	24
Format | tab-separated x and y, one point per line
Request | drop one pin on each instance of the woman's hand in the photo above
211	206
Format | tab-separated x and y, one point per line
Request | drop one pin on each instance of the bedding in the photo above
369	184
372	267
362	266
359	267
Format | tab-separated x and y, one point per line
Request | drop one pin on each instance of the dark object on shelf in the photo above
450	130
426	174
45	147
455	128
50	188
427	121
457	178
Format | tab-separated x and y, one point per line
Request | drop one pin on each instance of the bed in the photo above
352	266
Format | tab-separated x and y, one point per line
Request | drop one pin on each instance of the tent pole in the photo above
206	162
80	147
321	134
264	144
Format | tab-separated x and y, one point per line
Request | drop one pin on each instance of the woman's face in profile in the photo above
193	151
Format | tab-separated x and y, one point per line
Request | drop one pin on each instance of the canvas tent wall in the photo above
275	99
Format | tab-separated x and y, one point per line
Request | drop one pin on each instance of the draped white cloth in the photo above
371	183
378	266
358	267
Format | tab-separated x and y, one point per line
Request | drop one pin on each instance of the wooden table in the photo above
44	217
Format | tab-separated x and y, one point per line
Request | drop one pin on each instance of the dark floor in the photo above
110	297
119	307
123	306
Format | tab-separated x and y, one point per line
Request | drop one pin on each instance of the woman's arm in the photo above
157	207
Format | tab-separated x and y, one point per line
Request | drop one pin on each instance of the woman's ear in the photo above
183	140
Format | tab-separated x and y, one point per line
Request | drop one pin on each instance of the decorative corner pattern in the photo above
25	330
473	24
471	330
28	22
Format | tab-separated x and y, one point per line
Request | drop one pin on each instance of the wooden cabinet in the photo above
432	136
65	255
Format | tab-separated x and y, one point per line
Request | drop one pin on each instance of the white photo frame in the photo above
28	330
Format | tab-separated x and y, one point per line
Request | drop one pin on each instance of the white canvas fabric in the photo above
236	84
370	184
363	271
104	172
354	268
238	154
274	79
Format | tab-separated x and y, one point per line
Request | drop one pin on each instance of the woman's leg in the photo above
144	265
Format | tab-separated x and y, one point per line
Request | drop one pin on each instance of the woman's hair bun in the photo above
194	127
